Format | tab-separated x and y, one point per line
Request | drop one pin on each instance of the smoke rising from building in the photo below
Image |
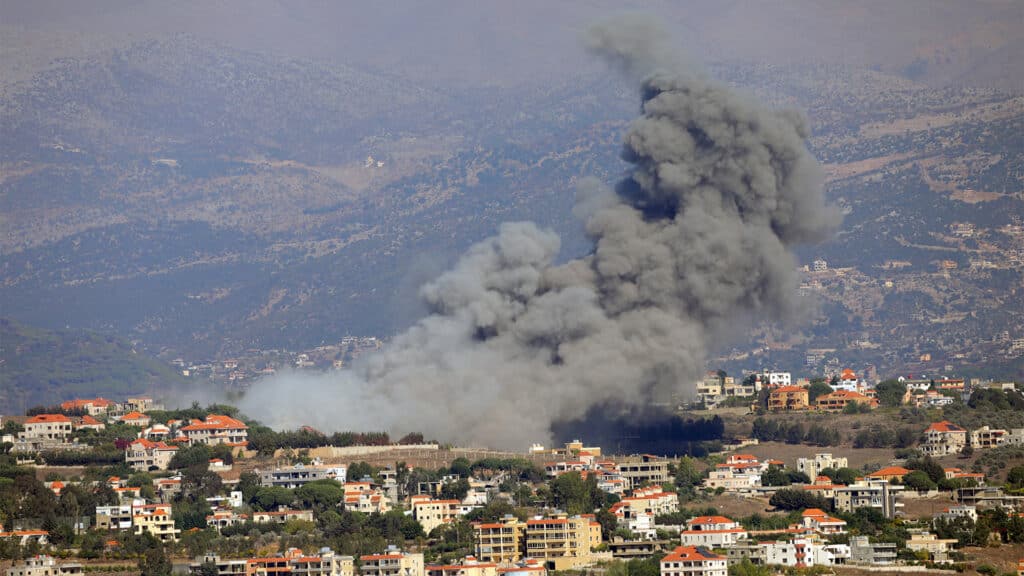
697	236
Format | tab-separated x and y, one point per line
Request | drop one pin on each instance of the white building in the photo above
693	561
712	531
812	467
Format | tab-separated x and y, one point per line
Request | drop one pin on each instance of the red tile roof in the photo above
690	553
47	418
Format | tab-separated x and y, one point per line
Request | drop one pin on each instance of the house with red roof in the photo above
943	438
712	531
217	429
788	398
889	474
816	521
837	401
87	422
693	561
137	419
92	406
144	455
47	427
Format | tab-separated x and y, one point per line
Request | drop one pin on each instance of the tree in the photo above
608	523
320	494
775	476
919	480
455	490
155	563
929	466
198	455
747	568
208	568
270	497
1015	478
818	388
572	494
795	499
890	392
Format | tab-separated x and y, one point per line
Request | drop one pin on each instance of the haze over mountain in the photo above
197	177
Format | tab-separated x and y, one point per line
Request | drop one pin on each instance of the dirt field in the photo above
738	507
789	453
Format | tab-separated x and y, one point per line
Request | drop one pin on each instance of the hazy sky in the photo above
509	42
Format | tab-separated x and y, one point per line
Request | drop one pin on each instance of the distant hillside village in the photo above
130	483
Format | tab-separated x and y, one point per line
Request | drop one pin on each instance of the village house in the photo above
889	474
155	519
366	498
943	438
838	400
145	455
217	429
87	422
43	565
392	563
937	548
693	561
816	521
813	467
879	495
432	513
469	566
300	475
56	427
643	469
798	552
93	407
282	516
787	398
137	419
712	531
986	437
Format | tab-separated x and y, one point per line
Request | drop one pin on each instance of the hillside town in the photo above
205	491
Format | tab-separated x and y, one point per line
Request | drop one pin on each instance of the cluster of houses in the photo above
787	394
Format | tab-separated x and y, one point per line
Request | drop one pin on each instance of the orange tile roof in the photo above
711	520
789	389
134	416
47	418
689	553
889	471
944	426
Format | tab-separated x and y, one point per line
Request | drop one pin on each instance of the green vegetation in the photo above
43	367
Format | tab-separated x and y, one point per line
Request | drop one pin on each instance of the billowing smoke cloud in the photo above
697	236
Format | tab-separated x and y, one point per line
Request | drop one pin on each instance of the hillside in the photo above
208	201
44	367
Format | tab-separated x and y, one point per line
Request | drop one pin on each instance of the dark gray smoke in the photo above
697	236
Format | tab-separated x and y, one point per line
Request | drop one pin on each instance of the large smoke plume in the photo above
697	236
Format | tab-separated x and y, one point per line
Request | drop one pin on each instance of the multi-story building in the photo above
937	548
563	543
300	475
56	427
366	498
92	407
986	437
43	565
651	501
500	542
134	418
217	429
146	455
643	469
837	401
816	521
943	438
693	561
432	513
118	517
712	531
156	519
787	398
392	563
877	494
863	551
777	379
813	467
799	552
961	511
